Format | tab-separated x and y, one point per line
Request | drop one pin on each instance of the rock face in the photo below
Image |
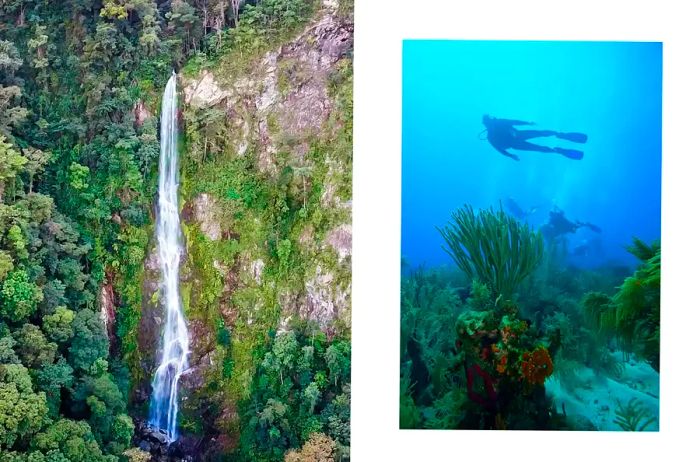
205	212
107	312
281	104
204	92
285	99
340	239
152	320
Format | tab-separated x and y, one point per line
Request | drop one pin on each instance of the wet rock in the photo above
107	311
145	446
151	322
155	442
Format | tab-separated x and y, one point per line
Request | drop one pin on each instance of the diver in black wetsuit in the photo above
559	225
502	135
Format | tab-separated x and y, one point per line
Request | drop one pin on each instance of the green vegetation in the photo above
80	83
632	315
494	247
300	389
633	417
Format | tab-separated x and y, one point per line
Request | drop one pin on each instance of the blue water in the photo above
609	90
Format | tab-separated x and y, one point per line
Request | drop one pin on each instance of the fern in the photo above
634	416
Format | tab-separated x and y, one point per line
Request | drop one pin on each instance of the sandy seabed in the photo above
597	396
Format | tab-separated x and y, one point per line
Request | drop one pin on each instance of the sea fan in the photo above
493	247
634	416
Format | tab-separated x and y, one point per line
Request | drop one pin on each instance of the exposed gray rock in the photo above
206	211
194	377
325	301
256	270
204	92
340	238
289	85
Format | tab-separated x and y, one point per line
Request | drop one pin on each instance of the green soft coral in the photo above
633	314
492	247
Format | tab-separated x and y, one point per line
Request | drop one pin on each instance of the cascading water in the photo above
175	340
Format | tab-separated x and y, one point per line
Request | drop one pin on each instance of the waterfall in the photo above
175	339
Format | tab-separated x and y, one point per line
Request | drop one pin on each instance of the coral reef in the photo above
506	357
536	366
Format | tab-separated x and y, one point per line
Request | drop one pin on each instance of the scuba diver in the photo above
502	135
588	248
558	225
517	211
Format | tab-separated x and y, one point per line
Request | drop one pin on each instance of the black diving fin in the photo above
570	153
575	137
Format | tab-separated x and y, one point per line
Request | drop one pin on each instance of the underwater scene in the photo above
530	240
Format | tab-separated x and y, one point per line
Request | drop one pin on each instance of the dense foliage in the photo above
78	162
301	389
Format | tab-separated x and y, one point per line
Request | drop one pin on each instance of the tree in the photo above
52	379
18	297
318	448
33	348
11	114
90	341
22	412
36	161
338	361
71	439
59	326
11	163
7	352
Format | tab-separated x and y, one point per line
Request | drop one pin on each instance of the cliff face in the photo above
266	208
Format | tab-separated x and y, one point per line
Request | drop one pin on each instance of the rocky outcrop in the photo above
204	92
256	270
285	99
141	113
205	212
325	301
340	239
155	443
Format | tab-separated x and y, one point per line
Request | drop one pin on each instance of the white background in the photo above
380	26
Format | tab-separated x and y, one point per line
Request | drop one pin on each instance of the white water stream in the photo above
175	340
